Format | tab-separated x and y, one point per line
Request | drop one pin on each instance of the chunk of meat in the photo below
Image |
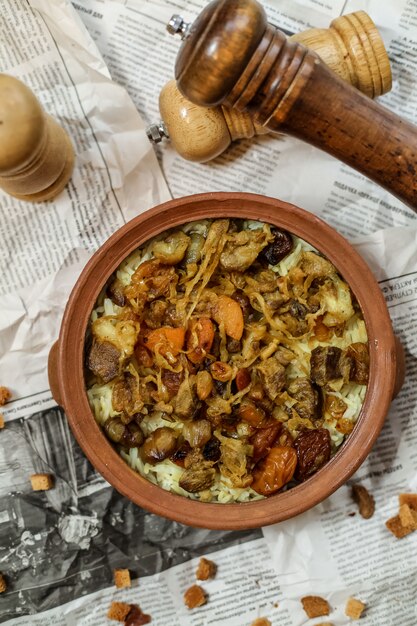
155	313
185	403
335	299
126	394
151	280
360	354
104	360
307	398
122	333
233	461
315	266
172	249
199	474
243	248
329	363
272	375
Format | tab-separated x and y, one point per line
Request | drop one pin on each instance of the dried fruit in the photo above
364	500
264	438
313	451
275	251
275	470
221	371
243	378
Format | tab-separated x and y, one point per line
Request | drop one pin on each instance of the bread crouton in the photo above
118	611
354	608
42	482
315	606
121	578
5	395
195	596
206	569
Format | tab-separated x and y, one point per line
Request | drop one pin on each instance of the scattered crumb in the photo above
119	611
365	501
394	525
42	482
408	498
408	517
1	421
121	578
261	621
5	395
351	514
206	569
315	606
195	596
354	608
3	585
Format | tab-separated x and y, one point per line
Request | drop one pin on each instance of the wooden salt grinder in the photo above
36	154
232	56
351	46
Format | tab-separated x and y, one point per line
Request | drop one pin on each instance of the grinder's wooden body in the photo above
36	154
243	62
351	47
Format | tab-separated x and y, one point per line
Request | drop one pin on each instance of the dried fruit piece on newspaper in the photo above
364	499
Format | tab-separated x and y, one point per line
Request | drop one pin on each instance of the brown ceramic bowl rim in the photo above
67	368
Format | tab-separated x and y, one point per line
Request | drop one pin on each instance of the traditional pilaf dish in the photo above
226	360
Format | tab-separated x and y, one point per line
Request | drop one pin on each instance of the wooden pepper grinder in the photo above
232	56
351	46
36	154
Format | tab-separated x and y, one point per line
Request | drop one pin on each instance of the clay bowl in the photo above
66	361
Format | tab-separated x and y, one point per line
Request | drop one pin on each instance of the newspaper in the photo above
58	549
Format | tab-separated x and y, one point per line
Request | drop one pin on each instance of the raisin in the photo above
211	451
275	251
313	451
364	500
